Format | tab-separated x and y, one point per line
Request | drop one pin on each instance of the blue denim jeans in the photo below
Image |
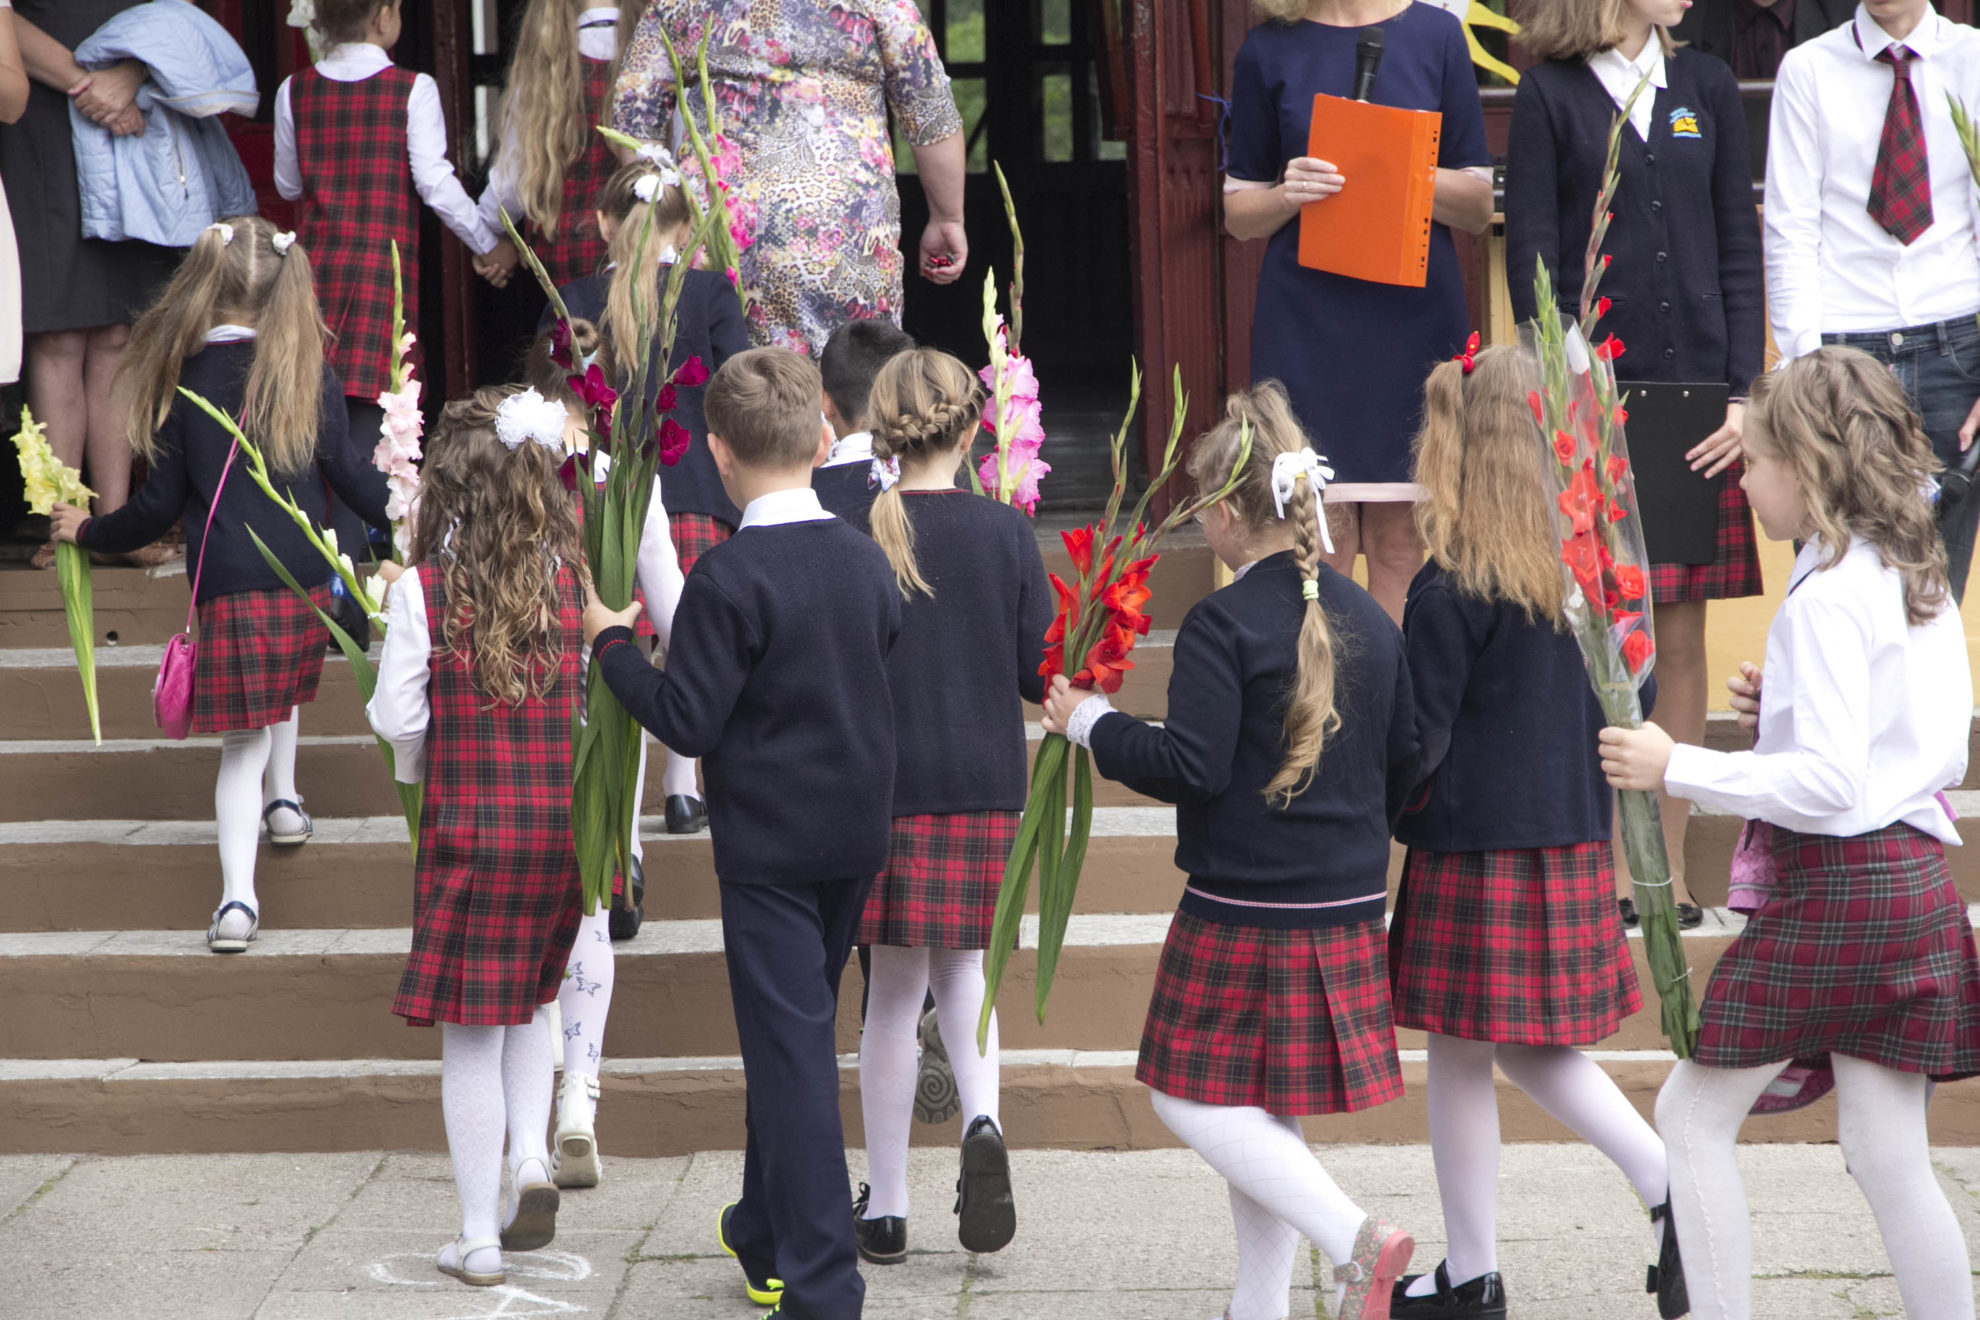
1939	367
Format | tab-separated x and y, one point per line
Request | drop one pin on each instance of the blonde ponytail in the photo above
635	282
924	402
545	109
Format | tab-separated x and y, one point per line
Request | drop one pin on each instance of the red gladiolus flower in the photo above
1622	415
1637	649
1579	554
1107	663
1533	402
1630	582
1564	446
560	343
1601	308
1054	661
1609	349
691	373
1617	469
1079	545
1617	512
568	474
666	400
1582	500
673	442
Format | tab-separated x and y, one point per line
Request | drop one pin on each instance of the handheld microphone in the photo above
1367	59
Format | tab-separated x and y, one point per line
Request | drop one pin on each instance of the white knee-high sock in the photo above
1266	1157
639	798
1881	1124
1574	1089
1267	1248
279	780
1464	1145
896	987
237	814
1699	1113
472	1103
526	1086
678	778
956	977
585	998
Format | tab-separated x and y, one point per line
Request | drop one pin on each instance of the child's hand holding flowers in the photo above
1636	758
598	616
65	520
1061	700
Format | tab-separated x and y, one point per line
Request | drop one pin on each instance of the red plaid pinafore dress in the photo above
495	885
579	249
357	200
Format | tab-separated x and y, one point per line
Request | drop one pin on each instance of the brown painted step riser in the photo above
679	1114
336	887
339	1006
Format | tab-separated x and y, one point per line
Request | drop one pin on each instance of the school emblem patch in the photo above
1684	122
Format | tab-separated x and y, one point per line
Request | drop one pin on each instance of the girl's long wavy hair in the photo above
1484	515
497	524
1311	715
618	203
924	402
543	109
248	282
1842	424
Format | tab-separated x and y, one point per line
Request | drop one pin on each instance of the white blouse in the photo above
1862	716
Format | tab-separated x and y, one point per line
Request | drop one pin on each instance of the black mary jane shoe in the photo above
686	815
1626	908
1482	1298
629	908
1690	916
882	1241
1667	1275
987	1216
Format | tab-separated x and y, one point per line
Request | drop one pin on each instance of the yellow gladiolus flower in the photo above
48	478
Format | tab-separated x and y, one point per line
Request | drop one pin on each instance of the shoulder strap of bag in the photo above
192	606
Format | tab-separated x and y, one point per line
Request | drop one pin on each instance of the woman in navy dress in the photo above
1353	354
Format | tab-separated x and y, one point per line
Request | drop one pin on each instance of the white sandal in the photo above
462	1249
574	1153
219	943
534	1224
292	839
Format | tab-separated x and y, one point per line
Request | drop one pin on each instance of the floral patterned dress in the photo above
803	89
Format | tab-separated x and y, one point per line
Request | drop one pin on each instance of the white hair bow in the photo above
647	186
530	416
283	241
225	230
1288	470
656	154
885	472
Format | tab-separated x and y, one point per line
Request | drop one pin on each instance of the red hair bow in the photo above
1470	355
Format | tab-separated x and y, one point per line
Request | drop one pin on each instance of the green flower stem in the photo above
72	572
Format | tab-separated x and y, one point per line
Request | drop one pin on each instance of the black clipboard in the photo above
1680	508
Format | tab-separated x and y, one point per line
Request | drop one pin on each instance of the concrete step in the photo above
1054	1099
160	995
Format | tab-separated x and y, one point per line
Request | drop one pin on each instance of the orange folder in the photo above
1377	227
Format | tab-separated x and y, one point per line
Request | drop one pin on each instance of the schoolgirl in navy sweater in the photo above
1289	750
1506	945
239	326
972	633
850	476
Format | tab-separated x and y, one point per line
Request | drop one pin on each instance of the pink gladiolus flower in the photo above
1025	493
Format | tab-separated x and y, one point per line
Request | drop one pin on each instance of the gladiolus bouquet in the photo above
1579	418
1011	471
1100	617
717	161
50	480
398	453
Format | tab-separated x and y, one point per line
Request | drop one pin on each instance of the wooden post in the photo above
453	45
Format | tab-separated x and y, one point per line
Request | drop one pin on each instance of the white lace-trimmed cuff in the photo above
1079	729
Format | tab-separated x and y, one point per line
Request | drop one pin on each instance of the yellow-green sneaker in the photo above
768	1293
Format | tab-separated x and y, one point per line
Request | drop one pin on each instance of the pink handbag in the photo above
172	691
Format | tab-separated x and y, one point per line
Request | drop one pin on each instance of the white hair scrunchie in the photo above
225	230
884	473
530	416
283	241
656	154
647	186
1287	471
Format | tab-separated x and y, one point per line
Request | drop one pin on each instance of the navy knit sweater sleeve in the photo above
1322	859
846	489
777	678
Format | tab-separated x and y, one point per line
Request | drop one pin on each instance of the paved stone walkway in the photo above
1141	1236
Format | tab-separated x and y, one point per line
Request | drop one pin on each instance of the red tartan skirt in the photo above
260	655
1864	949
695	534
1517	947
1289	1021
1735	567
943	875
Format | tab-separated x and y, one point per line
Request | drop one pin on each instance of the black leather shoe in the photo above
987	1215
882	1241
686	815
1484	1296
629	909
1627	908
1667	1275
1690	916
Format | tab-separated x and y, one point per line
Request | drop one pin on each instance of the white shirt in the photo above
426	142
797	504
1831	269
1862	717
1620	74
854	448
598	41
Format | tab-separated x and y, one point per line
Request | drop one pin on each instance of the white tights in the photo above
494	1081
257	766
1880	1123
585	997
1464	1136
1279	1193
898	984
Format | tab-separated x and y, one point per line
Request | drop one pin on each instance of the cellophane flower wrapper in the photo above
47	480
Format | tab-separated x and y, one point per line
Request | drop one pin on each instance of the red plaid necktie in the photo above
1901	187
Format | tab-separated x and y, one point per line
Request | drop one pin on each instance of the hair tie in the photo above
1288	470
884	473
530	416
1469	357
283	241
225	230
647	186
1309	588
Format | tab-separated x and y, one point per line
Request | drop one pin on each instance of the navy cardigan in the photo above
1686	281
1324	859
709	325
1508	724
777	679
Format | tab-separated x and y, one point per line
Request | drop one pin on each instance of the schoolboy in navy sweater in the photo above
777	676
846	481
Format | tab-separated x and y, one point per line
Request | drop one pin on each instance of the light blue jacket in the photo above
181	174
